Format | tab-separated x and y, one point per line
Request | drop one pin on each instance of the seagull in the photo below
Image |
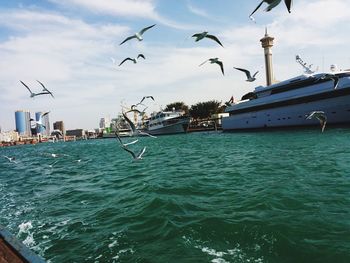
134	131
249	76
272	4
320	115
11	159
329	76
39	123
45	89
133	59
138	156
217	61
200	36
32	94
138	35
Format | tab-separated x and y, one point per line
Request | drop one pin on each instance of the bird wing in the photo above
141	56
198	36
145	29
215	39
245	71
139	155
44	114
128	38
26	87
129	143
203	62
129	151
133	110
118	137
132	125
336	81
125	60
45	89
255	74
288	4
221	66
256	8
145	133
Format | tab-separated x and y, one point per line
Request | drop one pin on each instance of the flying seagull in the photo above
134	131
39	123
45	89
249	76
32	94
217	61
133	59
329	76
320	115
200	36
138	35
272	4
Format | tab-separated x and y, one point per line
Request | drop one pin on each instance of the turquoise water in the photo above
202	197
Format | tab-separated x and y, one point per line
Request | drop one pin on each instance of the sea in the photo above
257	197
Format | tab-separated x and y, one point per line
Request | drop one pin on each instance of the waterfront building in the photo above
59	125
9	136
22	119
79	133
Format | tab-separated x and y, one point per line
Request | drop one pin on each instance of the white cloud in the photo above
134	8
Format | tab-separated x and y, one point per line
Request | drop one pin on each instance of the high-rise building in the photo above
22	119
59	125
105	122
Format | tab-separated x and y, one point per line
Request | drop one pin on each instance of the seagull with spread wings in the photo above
32	94
137	35
215	61
272	4
133	59
200	36
250	78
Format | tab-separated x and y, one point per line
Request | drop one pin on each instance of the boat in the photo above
166	122
13	250
286	103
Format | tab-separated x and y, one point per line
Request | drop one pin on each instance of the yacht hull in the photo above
179	127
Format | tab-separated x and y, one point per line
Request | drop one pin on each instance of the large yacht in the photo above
286	103
166	122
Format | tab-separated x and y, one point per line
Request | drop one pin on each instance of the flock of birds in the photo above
320	115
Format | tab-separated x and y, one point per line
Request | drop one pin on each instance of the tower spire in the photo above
267	44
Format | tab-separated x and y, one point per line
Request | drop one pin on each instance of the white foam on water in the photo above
113	244
25	227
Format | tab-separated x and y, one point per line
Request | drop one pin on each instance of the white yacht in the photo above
167	122
285	104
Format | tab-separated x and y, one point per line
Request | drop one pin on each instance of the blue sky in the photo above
68	45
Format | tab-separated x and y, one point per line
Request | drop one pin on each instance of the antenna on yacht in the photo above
307	68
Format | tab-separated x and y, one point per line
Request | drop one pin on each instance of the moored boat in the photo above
285	104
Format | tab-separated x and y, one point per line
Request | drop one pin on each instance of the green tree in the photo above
178	106
204	110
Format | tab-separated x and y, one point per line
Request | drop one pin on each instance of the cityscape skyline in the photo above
68	45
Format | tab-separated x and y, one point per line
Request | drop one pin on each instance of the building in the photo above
105	122
59	125
22	119
79	133
10	136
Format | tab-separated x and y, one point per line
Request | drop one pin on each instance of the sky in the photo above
68	46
